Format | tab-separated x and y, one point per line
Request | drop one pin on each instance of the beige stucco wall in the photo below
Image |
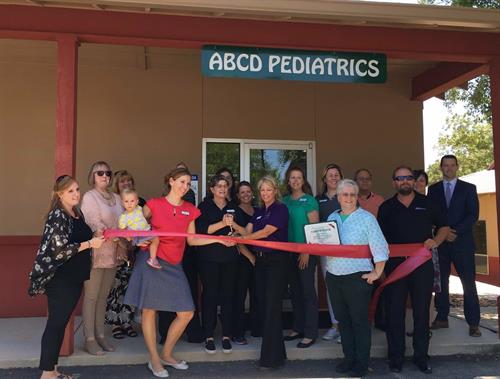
488	213
146	114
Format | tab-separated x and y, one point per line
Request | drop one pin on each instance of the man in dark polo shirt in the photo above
409	217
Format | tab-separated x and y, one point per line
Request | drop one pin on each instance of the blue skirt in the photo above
162	290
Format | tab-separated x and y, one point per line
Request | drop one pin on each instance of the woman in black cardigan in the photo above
61	266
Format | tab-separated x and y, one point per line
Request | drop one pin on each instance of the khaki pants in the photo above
94	301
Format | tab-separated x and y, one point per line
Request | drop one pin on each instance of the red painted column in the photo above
495	111
65	159
67	72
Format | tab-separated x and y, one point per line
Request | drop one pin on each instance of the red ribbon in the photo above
416	253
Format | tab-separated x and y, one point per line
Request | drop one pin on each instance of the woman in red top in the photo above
166	289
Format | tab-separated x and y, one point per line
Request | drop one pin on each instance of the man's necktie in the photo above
447	194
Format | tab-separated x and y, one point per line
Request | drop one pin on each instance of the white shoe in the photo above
182	365
159	374
331	334
339	340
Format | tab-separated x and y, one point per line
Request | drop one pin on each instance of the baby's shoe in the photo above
153	262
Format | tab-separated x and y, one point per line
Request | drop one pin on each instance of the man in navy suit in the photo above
459	201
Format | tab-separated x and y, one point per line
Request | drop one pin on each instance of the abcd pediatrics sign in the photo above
317	66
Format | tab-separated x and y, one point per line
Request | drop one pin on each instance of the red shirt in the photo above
171	218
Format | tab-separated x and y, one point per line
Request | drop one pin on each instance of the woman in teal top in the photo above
303	209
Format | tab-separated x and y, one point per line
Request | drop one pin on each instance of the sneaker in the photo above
210	347
153	262
226	346
331	334
339	340
240	340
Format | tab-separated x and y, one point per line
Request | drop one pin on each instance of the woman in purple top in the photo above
270	223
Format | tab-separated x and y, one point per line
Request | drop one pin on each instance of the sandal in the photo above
129	331
118	333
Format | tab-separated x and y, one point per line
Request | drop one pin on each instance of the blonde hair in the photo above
61	184
91	177
129	191
270	181
118	176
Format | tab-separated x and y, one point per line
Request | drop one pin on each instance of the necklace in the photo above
108	198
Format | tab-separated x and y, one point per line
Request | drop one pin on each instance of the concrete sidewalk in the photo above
20	346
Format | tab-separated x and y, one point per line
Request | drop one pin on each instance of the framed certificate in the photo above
322	233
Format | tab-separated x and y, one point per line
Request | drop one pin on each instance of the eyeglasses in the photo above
348	194
102	173
402	178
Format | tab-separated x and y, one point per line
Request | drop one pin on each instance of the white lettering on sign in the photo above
274	60
329	62
317	65
373	69
342	67
215	59
358	68
255	63
298	65
285	63
229	64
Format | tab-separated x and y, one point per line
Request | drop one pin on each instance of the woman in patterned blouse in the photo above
61	266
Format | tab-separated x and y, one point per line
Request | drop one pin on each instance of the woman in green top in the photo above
303	209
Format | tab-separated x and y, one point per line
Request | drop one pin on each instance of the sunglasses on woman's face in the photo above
102	173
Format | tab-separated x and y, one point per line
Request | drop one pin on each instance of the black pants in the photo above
270	283
465	265
193	330
350	297
219	282
303	296
62	297
419	285
245	284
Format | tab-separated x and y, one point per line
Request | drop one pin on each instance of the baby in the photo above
133	219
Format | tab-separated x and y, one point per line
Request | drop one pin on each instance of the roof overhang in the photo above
315	11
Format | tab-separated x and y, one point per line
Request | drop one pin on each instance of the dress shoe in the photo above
439	324
182	365
344	366
358	372
293	337
423	367
159	374
395	367
305	345
474	331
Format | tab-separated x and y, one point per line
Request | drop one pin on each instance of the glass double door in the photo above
252	159
274	159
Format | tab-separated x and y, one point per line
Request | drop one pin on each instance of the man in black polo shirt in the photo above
409	217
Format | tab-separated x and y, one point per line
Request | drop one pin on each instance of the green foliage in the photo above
495	4
469	136
470	141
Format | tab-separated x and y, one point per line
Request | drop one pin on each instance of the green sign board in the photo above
317	66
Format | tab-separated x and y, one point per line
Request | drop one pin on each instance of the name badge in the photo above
258	218
420	209
185	213
323	200
303	199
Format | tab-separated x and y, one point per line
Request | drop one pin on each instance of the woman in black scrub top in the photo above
270	223
61	266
